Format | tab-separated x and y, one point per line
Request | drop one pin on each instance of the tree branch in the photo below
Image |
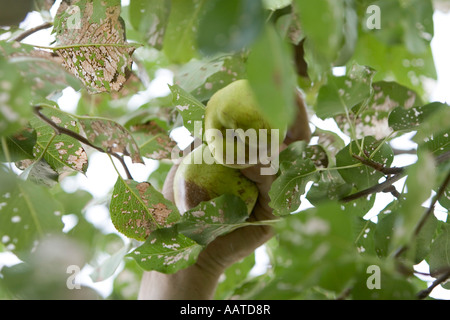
29	32
378	166
442	278
427	213
385	186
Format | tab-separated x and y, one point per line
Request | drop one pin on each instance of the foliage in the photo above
325	243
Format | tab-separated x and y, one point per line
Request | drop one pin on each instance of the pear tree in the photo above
302	131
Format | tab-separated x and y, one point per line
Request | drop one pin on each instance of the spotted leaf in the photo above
137	209
110	137
153	141
91	41
166	251
63	152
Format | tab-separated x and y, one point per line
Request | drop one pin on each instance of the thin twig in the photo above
381	187
378	166
29	32
62	130
427	213
430	209
442	278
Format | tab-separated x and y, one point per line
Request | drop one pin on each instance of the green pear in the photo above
195	182
233	123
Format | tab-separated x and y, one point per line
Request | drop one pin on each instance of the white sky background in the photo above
101	176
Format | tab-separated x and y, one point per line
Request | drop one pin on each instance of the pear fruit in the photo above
234	107
195	182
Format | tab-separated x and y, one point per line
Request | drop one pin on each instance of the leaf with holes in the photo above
91	41
202	78
63	151
190	109
152	140
137	209
166	251
341	94
110	136
40	70
213	218
374	118
286	190
407	119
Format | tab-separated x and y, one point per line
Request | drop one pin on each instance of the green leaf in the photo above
437	123
150	18
404	118
28	212
15	108
19	146
343	93
395	62
439	259
372	118
138	209
41	72
229	26
213	218
180	43
322	43
363	177
202	78
329	187
392	285
276	4
286	190
271	76
166	251
190	108
419	183
109	265
158	176
316	249
384	231
152	140
234	277
110	137
424	239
